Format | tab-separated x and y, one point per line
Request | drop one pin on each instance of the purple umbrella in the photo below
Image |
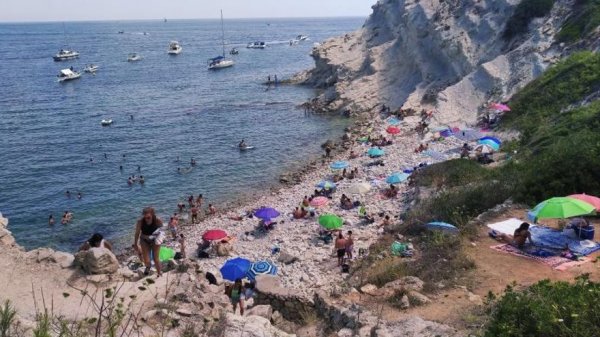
266	213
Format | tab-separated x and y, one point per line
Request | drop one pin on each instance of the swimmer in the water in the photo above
193	162
179	170
141	179
51	220
79	195
131	116
91	160
129	181
68	194
242	144
139	168
105	156
121	167
177	160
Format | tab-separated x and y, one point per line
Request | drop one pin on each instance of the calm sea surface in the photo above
49	132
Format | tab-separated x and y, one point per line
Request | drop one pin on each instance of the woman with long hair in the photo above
148	238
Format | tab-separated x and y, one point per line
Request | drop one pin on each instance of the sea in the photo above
165	109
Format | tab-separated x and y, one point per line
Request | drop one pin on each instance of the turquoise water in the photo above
50	131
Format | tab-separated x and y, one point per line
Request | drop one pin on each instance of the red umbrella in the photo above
393	130
319	201
590	199
214	235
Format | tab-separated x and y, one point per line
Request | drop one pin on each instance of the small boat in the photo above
174	48
64	55
256	45
121	32
68	75
106	122
301	37
134	57
91	68
234	51
219	62
245	148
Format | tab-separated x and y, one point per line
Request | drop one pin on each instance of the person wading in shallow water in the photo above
147	240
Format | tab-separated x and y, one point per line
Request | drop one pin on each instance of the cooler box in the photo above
584	233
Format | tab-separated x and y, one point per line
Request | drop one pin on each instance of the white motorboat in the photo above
257	45
64	55
68	75
174	48
220	61
91	68
106	122
301	37
134	57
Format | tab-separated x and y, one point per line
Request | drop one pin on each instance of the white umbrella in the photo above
359	188
484	149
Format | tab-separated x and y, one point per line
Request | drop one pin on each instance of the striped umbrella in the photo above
319	202
261	268
590	199
494	139
490	143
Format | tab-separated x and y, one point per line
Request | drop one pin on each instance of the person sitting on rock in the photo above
96	241
392	192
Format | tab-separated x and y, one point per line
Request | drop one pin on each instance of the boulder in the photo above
416	298
404	302
265	311
97	261
248	326
65	260
406	283
369	289
286	258
345	333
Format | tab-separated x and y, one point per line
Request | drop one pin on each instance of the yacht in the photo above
256	45
174	48
64	55
68	75
91	68
133	57
220	61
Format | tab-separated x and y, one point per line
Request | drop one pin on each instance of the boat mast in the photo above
222	33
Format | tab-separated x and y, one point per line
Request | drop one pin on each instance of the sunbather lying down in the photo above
519	238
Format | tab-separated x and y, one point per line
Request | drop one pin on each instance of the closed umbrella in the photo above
319	202
261	268
339	165
562	208
590	199
235	269
375	152
397	178
266	213
489	143
214	235
330	221
326	185
393	130
359	188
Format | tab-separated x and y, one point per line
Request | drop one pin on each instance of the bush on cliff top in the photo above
526	11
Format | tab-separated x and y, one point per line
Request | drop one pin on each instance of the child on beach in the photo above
173	227
182	246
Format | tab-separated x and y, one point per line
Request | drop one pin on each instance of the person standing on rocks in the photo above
349	245
340	248
235	293
145	239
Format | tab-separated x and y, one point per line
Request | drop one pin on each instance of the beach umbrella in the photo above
319	202
467	134
495	146
393	121
493	139
590	199
359	188
266	213
326	185
397	178
499	107
235	269
562	208
375	152
393	130
339	165
442	226
261	268
484	148
330	221
214	235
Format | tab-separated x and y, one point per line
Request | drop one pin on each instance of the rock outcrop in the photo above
97	261
444	55
249	326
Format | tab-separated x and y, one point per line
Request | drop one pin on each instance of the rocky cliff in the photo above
445	55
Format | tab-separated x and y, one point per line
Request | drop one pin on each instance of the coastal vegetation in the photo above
582	22
526	11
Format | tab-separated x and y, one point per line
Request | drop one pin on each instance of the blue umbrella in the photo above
397	178
394	121
235	269
375	152
492	144
493	139
266	213
326	185
261	268
339	165
443	226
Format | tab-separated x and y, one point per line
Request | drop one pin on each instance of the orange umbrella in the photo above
590	199
393	130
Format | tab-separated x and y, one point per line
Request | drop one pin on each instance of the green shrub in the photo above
450	173
8	316
526	11
549	309
584	20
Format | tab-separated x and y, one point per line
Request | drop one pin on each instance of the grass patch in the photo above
526	11
583	21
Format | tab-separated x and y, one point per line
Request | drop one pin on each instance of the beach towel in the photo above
468	135
507	226
555	262
551	238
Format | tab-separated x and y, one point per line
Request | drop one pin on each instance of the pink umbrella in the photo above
393	130
590	199
214	235
319	202
499	107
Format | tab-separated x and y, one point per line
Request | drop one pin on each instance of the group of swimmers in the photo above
67	217
135	179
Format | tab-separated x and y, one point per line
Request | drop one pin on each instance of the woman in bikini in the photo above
145	239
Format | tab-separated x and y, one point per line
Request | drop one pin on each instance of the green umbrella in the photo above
562	208
330	221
